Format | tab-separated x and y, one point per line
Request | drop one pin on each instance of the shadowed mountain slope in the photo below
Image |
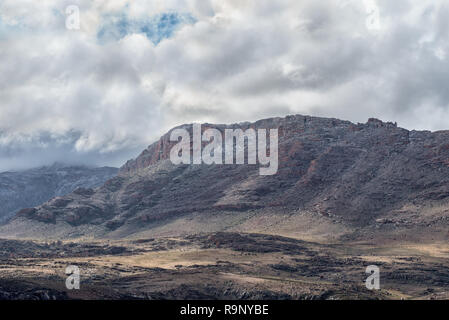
35	186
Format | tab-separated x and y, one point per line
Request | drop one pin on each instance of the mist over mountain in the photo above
25	151
20	189
142	67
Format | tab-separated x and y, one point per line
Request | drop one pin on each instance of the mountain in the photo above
33	187
336	180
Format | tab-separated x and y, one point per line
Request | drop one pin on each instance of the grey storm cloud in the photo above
79	96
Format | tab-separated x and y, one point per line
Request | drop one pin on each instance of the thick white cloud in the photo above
235	61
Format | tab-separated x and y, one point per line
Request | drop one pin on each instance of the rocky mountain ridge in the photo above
335	179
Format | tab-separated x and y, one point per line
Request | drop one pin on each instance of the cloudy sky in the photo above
134	69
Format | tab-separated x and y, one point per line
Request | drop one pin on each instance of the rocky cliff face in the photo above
360	177
29	188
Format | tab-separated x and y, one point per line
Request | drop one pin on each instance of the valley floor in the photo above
221	266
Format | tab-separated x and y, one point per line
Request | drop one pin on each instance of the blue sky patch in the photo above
156	28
